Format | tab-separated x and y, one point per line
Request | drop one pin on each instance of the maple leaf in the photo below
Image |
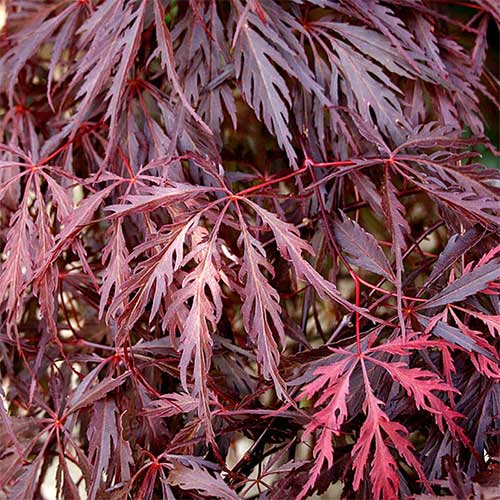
261	310
486	359
423	27
372	43
291	247
152	276
199	48
100	36
45	289
384	19
470	283
431	135
195	477
368	92
168	62
72	227
25	484
131	39
171	404
60	197
17	270
383	473
104	441
483	209
157	197
394	213
419	384
96	392
451	334
118	271
202	288
32	37
263	87
361	247
492	321
333	382
457	245
195	337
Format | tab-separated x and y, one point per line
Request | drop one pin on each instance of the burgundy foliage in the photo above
255	218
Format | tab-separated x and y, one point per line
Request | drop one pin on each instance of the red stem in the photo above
68	144
387	292
270	182
307	164
127	163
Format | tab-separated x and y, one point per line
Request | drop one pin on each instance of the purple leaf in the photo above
198	478
469	284
361	247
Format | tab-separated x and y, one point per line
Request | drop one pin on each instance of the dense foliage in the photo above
254	224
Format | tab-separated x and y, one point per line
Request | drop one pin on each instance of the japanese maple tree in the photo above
249	249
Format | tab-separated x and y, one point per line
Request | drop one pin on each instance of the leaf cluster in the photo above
248	221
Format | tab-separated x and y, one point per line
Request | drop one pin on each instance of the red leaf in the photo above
152	277
383	474
291	247
73	225
106	445
117	271
332	382
263	87
168	62
261	310
171	404
17	269
96	392
419	384
197	478
158	197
